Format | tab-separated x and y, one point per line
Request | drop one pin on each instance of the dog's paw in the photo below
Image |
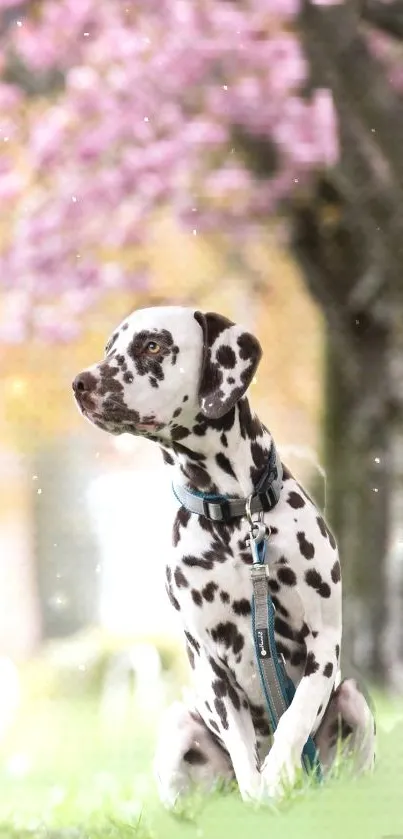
171	785
252	791
278	774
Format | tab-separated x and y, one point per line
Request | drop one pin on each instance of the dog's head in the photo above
162	367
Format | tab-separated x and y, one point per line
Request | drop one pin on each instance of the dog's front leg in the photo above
297	722
233	718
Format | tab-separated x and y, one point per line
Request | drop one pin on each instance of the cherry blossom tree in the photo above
148	105
227	113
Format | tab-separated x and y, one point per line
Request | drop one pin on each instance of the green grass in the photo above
65	774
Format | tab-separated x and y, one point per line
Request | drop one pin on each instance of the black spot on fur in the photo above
346	729
196	597
192	642
224	596
279	606
111	342
213	725
283	628
322	526
234	697
196	562
337	651
224	440
314	579
219	687
167	458
287	576
209	591
172	598
198	457
222	712
273	585
191	657
225	464
179	432
194	757
286	473
335	572
311	665
298	657
328	670
210	393
219	671
176	413
262	726
202	424
249	424
226	356
307	549
259	719
303	633
242	606
227	634
295	500
218	553
256	710
180	579
181	520
260	456
248	347
326	533
199	477
223	687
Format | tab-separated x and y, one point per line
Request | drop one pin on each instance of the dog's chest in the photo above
209	583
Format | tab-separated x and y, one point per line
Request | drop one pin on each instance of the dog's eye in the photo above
152	347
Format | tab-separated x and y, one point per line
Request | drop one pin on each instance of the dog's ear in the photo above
230	358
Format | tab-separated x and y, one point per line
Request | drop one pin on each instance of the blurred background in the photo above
242	157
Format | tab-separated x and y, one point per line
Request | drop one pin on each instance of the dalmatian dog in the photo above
179	378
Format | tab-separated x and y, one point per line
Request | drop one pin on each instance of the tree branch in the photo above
362	83
385	16
369	174
327	256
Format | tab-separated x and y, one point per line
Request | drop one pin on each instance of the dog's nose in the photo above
84	383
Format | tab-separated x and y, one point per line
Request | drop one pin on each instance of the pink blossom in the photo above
156	95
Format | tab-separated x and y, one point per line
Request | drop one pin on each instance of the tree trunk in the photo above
347	235
358	426
358	440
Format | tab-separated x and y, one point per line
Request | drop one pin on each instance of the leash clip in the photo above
258	532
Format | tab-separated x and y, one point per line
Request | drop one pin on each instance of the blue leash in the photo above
278	689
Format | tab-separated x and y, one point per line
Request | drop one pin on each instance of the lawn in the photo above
69	771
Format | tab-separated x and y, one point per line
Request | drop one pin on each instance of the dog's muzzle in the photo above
84	387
